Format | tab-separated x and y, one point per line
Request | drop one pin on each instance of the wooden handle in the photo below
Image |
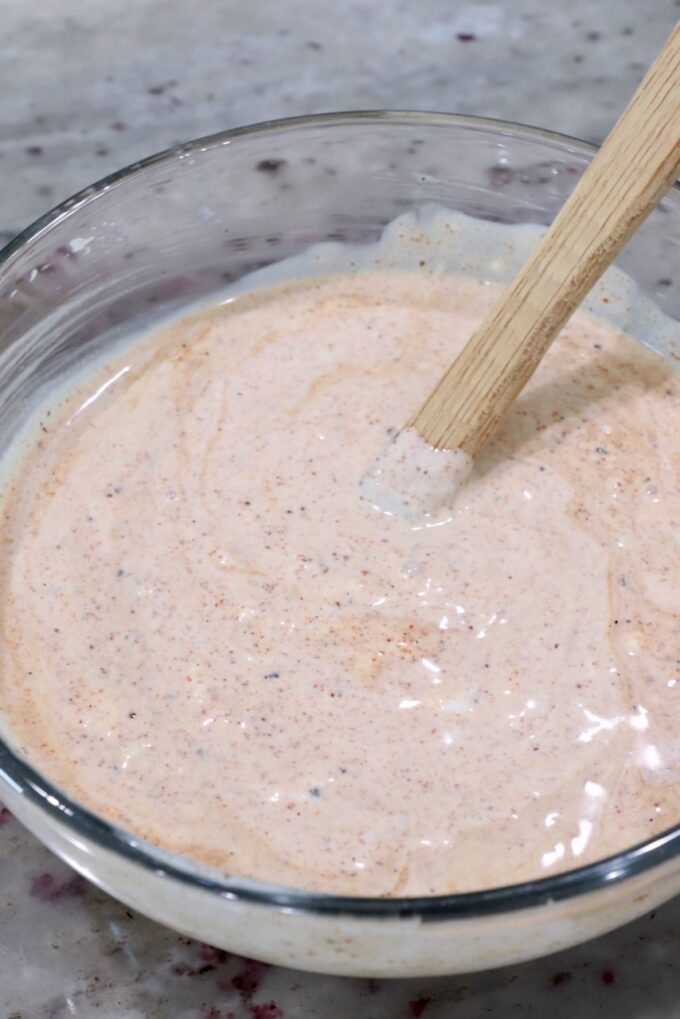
638	161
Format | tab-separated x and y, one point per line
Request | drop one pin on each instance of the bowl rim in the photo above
27	782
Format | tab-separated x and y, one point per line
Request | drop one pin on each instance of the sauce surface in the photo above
209	637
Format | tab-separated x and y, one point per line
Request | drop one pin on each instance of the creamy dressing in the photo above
414	481
211	638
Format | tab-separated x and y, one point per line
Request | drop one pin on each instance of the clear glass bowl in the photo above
177	226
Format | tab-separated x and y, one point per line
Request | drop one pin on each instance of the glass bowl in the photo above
178	226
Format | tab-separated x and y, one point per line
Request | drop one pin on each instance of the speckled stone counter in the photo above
87	88
67	949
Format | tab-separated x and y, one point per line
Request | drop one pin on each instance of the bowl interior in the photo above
181	225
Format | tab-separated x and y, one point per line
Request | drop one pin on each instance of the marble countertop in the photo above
88	88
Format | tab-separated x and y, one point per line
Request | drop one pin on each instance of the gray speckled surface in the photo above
88	88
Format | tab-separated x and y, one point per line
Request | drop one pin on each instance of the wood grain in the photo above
637	163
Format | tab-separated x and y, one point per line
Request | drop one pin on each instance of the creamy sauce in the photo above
414	481
210	638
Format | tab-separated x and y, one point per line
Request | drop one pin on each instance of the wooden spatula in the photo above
637	163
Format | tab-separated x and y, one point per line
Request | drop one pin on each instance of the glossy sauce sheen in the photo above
212	639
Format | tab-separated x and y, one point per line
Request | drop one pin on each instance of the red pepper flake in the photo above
464	37
561	978
212	1012
268	1011
5	816
607	976
418	1006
